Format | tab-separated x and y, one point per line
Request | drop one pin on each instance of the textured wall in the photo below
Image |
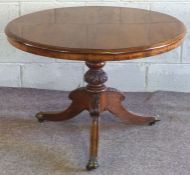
170	71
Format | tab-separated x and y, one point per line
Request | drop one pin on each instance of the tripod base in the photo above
108	100
96	98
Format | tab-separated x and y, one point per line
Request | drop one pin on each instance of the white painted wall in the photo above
170	71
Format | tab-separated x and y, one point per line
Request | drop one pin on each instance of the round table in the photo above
96	35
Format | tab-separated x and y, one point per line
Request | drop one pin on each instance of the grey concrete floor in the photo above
58	148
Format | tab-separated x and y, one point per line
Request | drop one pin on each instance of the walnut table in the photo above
96	35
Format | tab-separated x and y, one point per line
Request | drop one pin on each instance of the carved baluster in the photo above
95	77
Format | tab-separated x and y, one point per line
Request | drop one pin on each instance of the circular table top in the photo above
96	33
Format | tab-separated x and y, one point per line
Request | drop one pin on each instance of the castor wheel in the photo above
154	122
39	116
92	164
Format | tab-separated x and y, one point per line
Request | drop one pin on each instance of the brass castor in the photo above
155	121
92	164
39	116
